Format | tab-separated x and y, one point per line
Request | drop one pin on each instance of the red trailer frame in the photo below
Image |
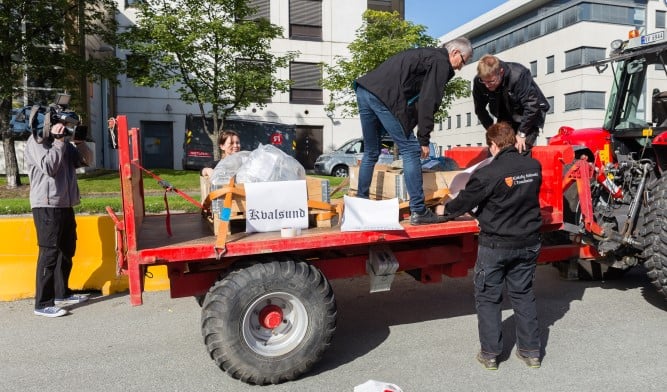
194	266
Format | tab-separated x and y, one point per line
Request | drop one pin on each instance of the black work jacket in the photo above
411	84
518	100
506	194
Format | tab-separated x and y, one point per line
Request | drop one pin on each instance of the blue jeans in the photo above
376	119
495	268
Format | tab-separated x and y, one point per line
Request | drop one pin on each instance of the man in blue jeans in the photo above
403	92
505	194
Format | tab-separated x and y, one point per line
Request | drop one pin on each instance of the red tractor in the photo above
619	203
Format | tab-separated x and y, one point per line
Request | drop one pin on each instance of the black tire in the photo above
655	235
340	171
252	353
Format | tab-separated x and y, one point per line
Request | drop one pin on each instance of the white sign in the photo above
363	214
272	206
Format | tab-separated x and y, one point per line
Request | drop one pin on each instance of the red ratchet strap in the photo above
168	187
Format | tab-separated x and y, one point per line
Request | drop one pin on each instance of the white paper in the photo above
275	205
460	180
363	214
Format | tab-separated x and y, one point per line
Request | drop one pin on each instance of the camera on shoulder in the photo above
43	118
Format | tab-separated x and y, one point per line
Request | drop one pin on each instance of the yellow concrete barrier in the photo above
94	263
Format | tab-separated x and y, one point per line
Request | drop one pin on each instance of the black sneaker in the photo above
427	218
530	361
488	363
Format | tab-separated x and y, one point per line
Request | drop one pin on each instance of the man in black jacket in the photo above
403	92
511	94
505	194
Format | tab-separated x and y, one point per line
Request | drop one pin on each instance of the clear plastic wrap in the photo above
223	172
268	163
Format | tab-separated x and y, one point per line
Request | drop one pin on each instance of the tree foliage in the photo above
47	41
381	35
215	53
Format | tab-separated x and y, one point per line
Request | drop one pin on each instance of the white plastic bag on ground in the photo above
377	386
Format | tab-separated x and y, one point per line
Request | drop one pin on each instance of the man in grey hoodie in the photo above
52	162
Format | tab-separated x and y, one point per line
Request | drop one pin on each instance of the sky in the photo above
443	16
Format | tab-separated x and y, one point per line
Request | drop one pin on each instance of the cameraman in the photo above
52	162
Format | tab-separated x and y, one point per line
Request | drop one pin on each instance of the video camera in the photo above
42	119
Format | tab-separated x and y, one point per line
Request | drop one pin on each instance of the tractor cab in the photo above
636	114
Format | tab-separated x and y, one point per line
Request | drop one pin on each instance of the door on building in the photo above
308	145
157	144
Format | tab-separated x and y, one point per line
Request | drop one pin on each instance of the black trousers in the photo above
56	237
515	268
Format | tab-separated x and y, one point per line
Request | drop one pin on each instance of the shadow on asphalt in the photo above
364	319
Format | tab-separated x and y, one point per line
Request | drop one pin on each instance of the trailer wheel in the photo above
269	323
655	235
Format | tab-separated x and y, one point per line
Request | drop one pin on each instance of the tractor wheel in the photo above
269	323
655	235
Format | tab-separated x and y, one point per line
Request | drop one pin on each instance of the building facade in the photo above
551	37
319	30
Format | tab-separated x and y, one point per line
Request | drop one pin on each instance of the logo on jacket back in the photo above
509	181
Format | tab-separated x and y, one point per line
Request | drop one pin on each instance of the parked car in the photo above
337	163
19	122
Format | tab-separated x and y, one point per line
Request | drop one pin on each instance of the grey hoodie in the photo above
52	172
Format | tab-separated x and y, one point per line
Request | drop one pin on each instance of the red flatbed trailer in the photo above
269	311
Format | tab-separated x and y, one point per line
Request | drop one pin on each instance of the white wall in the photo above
340	20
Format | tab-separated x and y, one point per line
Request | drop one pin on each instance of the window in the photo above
458	121
449	122
252	84
305	19
43	83
584	100
468	119
261	9
659	19
550	24
550	65
305	79
583	55
551	104
131	3
385	5
570	16
533	68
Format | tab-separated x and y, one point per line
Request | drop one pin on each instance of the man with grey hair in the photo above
403	92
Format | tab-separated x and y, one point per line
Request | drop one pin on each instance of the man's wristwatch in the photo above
521	135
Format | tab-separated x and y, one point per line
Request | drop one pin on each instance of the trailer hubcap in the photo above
275	324
270	317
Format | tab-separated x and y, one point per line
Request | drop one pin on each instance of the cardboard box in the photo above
387	184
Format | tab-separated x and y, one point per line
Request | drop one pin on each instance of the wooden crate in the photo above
318	191
389	183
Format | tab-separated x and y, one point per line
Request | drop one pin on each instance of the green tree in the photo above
381	35
214	52
43	50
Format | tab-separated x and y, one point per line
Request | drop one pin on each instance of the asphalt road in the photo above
597	336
